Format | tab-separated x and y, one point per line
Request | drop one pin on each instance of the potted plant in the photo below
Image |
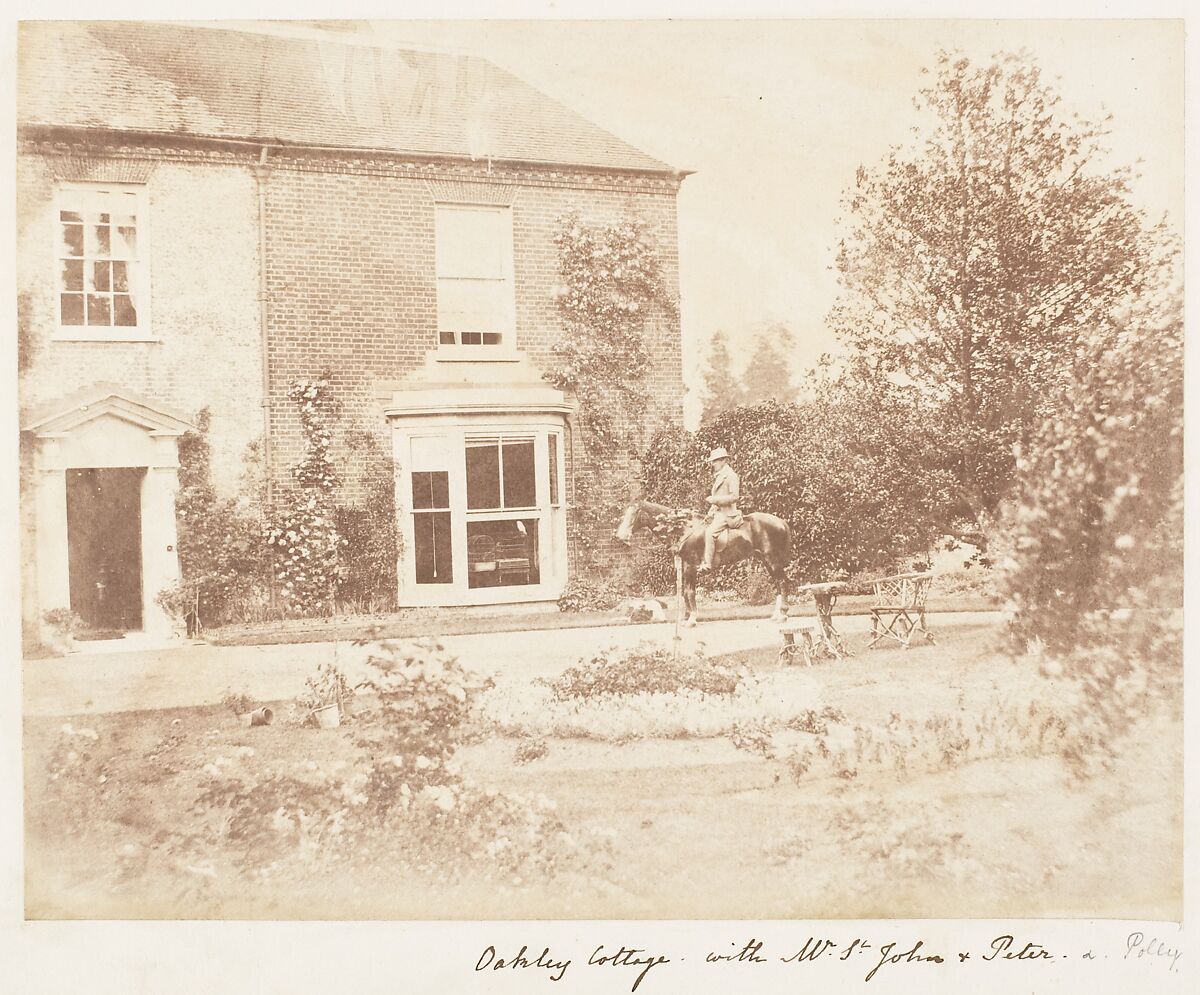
325	695
242	705
62	626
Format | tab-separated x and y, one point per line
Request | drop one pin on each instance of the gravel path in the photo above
198	673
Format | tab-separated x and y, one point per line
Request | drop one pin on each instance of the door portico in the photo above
106	441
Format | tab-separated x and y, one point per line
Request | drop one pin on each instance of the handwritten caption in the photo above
635	965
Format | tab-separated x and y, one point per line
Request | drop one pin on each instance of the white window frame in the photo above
505	350
78	196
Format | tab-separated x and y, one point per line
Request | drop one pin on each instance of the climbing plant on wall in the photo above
304	536
612	285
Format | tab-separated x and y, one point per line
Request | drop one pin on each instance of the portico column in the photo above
160	556
53	562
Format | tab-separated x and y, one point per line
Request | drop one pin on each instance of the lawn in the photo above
918	783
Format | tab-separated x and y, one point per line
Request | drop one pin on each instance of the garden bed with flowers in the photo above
633	785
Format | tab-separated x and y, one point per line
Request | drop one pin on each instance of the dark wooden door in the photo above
104	545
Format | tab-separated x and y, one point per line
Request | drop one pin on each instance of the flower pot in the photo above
259	717
328	716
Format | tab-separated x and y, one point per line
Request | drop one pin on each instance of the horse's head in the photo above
630	522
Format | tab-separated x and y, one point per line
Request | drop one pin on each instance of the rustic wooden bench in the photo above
899	608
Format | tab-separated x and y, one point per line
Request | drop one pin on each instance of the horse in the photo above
761	535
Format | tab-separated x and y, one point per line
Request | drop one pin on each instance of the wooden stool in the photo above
806	646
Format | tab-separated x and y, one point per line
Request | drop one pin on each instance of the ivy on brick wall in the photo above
612	284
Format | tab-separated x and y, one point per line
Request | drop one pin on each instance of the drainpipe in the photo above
261	171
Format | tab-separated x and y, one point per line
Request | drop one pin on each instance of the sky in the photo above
775	117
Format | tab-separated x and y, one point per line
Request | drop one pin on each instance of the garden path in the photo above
199	673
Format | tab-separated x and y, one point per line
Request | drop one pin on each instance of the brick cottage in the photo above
206	215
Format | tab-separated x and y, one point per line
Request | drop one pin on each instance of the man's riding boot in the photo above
710	542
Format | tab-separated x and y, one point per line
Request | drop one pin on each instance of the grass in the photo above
697	827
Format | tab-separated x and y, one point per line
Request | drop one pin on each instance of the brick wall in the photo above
204	301
350	284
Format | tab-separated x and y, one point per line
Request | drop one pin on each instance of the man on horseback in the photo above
723	511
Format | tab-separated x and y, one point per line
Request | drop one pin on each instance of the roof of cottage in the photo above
183	80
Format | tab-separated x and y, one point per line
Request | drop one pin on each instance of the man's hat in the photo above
718	453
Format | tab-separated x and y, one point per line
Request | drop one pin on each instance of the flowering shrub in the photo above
647	669
583	595
530	749
401	806
854	471
318	408
307	549
304	536
327	686
516	709
64	621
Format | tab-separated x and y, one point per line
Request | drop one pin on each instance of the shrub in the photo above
1099	527
854	471
644	669
372	539
587	596
64	621
326	686
401	807
530	749
221	558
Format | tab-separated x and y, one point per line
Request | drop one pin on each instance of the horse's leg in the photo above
689	593
779	576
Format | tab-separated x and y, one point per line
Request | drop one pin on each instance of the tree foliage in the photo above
767	376
1099	524
722	389
852	471
976	259
1099	527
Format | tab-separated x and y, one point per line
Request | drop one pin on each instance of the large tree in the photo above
722	390
767	376
979	258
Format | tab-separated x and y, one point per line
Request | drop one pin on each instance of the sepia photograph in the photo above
600	470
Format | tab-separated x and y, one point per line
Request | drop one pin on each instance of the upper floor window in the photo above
101	257
474	278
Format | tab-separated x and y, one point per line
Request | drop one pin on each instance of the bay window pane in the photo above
483	475
519	484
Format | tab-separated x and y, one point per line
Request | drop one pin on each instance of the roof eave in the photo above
35	131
